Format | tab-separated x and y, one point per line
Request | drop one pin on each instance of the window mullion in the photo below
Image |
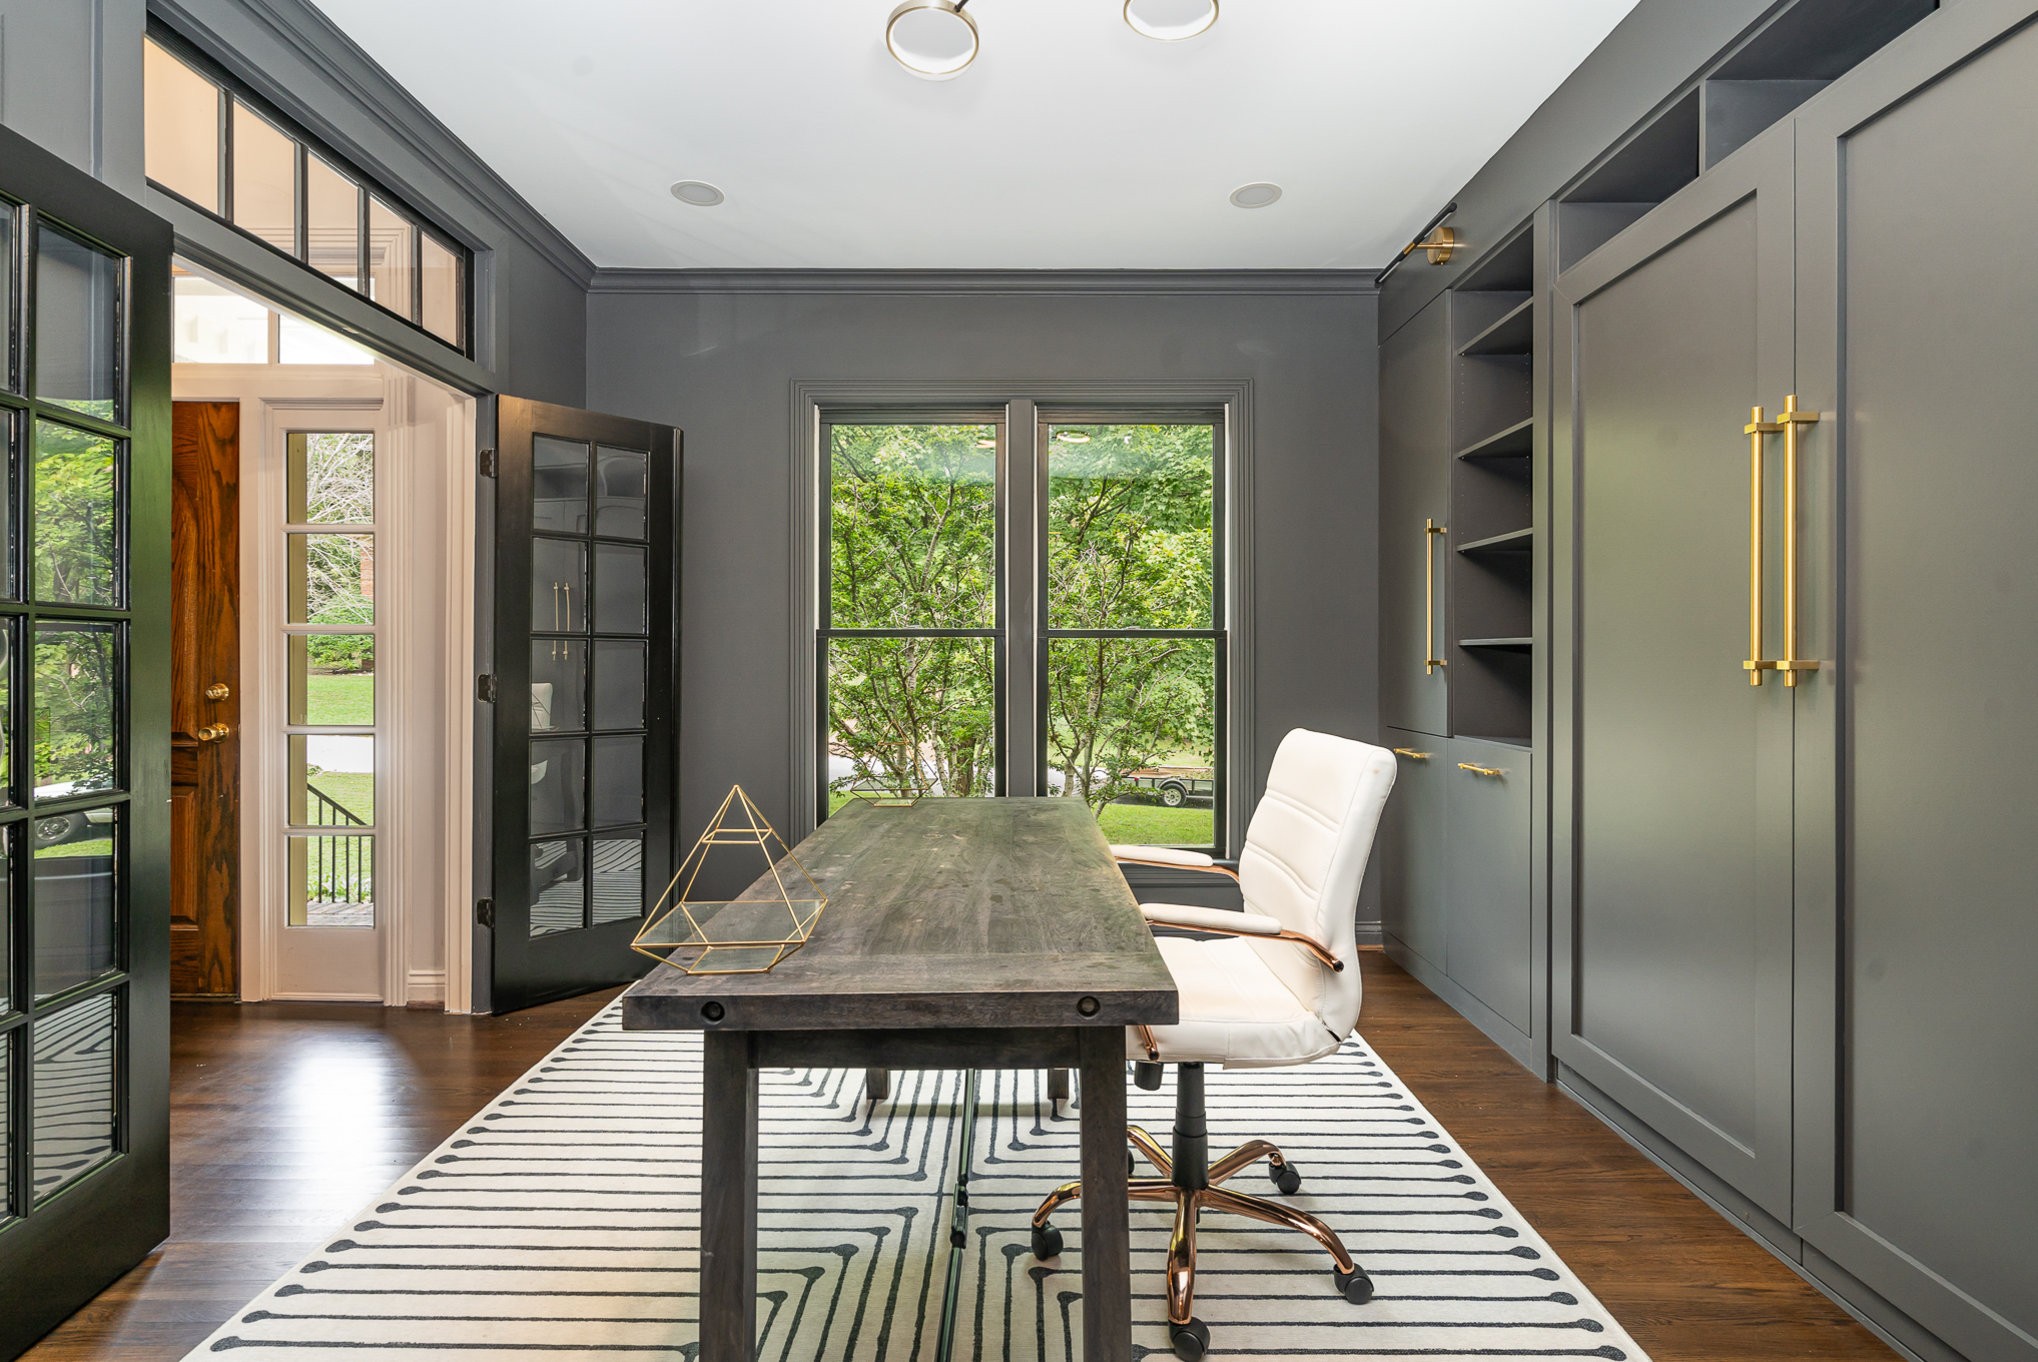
1021	571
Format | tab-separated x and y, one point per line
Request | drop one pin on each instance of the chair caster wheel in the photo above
1190	1341
1286	1177
1355	1285
1046	1242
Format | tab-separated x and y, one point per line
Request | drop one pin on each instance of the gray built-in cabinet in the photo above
1460	578
1793	927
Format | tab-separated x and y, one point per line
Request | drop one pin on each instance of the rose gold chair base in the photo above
1192	1190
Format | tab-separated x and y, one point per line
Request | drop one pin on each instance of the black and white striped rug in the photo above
564	1218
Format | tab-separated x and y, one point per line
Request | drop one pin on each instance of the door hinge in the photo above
486	463
484	688
484	913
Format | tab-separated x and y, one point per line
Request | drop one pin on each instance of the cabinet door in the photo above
1918	756
1673	841
1487	882
1415	493
1414	907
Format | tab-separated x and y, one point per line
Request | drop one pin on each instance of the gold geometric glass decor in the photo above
750	933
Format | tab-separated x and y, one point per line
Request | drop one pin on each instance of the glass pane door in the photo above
586	630
84	539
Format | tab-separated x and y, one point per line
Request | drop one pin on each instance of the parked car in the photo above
54	829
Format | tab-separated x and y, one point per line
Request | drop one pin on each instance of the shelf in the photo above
1513	442
1510	741
1513	334
1514	541
1512	645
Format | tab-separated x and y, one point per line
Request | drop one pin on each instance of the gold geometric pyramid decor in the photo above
748	934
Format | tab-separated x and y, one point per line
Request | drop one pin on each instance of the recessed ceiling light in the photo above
932	38
699	193
1170	20
1258	194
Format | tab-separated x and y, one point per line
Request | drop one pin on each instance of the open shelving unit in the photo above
1751	88
1493	335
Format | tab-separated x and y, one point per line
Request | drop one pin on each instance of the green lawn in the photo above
354	789
97	846
1139	824
340	698
1157	825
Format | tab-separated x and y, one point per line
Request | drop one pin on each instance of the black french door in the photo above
84	738
584	769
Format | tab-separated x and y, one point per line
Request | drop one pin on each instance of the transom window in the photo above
228	154
1101	556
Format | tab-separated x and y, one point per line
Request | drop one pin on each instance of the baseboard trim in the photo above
1903	1334
1496	1028
425	988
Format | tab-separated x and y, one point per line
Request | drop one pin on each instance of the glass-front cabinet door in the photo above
84	738
586	698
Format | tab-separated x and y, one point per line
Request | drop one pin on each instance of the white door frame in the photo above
426	707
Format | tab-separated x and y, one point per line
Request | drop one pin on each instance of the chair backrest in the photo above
1305	854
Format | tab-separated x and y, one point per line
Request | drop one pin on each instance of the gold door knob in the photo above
213	732
218	690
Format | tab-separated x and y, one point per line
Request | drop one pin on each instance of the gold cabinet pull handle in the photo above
1476	769
1430	662
1412	754
1756	430
1791	664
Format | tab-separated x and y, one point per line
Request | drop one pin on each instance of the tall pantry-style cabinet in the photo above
1794	750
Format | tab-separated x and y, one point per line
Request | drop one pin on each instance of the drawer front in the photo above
1489	950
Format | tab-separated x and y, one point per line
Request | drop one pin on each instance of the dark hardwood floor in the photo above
287	1118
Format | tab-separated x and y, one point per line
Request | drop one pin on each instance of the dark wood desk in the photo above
959	933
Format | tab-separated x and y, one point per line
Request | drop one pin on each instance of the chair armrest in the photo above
1223	922
1173	858
1210	919
1191	860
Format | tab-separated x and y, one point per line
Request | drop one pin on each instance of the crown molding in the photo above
977	283
323	46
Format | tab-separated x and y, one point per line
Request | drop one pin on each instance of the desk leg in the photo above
728	1200
1107	1271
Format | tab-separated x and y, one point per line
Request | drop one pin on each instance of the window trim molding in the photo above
1020	401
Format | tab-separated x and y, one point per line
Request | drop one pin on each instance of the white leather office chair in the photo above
1273	986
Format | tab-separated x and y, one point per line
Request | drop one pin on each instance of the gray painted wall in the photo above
70	79
721	364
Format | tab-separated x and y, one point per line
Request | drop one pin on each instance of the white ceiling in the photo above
1071	142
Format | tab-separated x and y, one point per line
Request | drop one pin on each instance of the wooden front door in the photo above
205	702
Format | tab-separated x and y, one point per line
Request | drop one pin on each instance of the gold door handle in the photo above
218	690
1412	754
1493	772
213	733
1430	531
1756	430
1791	664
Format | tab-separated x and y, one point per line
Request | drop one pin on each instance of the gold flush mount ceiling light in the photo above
1170	20
936	40
932	38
